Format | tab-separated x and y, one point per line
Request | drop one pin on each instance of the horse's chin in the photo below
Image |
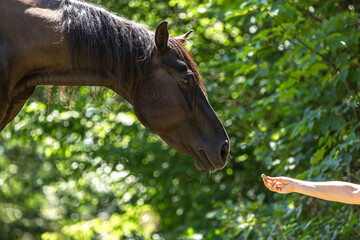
204	165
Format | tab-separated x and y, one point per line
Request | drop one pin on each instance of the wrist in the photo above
295	186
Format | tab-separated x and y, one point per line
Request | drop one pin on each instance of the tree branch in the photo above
335	69
325	59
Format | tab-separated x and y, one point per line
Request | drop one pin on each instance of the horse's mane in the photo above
111	45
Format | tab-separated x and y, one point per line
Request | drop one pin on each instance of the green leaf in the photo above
341	76
318	156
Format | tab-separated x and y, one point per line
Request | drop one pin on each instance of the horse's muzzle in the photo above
212	159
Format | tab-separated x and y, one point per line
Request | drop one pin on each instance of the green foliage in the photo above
139	219
284	78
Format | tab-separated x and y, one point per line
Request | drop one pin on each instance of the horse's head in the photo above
171	101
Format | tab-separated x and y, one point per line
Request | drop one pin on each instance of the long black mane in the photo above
111	45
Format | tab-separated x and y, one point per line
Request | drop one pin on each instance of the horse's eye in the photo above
185	80
188	80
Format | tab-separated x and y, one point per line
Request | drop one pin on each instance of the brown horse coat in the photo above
72	43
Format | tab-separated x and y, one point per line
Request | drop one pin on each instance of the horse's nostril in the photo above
224	151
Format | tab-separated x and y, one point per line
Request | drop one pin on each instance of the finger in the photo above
276	188
273	184
267	183
279	186
271	178
264	176
279	189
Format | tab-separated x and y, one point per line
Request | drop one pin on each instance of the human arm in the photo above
336	191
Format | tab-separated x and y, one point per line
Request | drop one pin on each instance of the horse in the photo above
75	43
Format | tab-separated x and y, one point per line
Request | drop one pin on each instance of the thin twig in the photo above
308	13
308	47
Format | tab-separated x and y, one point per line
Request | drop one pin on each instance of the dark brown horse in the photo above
73	43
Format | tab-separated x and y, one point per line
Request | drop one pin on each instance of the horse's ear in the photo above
185	36
162	36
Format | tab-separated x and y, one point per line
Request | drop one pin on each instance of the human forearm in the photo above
332	191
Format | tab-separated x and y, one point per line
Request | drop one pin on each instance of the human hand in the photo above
281	185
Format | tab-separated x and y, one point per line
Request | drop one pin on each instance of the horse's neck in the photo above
33	52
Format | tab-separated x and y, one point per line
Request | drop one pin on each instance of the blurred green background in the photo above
283	76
